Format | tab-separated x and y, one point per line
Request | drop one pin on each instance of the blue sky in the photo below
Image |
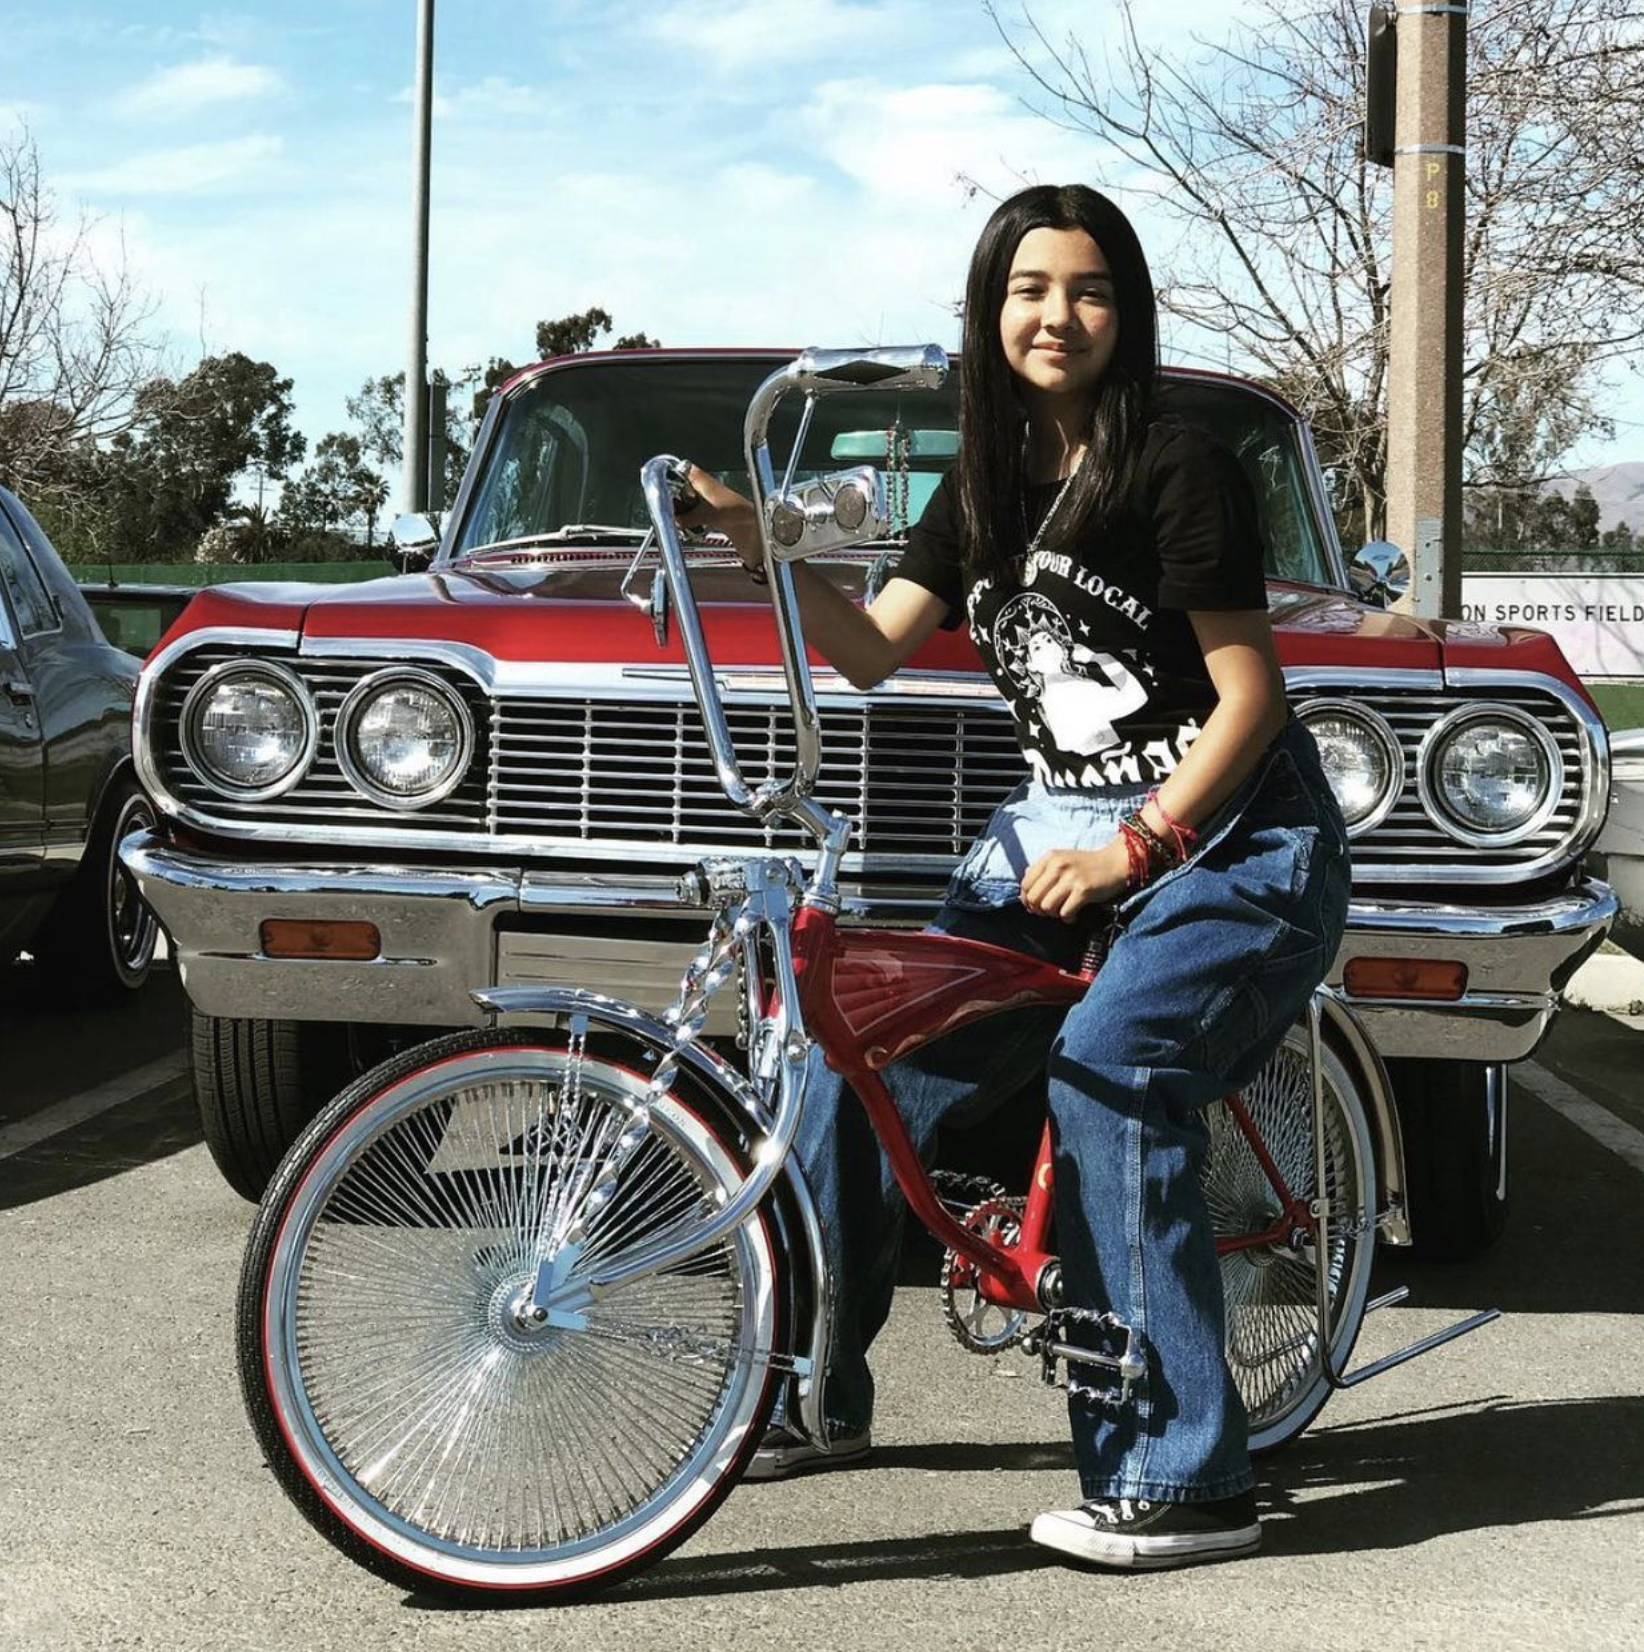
710	171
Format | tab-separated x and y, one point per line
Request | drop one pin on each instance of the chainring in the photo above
980	1326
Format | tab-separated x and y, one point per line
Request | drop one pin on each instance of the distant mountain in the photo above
1619	490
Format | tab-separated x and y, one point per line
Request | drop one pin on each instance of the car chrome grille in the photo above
606	777
1408	836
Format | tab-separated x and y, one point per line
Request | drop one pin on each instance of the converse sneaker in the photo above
1143	1536
784	1452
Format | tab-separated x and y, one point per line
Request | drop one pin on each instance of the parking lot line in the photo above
64	1115
1598	1122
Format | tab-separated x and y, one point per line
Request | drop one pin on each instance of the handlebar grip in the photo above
902	367
686	499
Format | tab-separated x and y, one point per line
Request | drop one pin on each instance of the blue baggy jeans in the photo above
1215	962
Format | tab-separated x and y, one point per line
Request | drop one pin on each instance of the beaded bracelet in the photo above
1187	840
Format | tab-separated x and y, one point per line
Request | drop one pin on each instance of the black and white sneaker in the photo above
784	1452
1141	1536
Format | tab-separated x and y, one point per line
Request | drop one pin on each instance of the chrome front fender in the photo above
809	1287
1343	1029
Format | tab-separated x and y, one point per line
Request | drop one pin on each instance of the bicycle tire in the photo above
1270	1294
401	1406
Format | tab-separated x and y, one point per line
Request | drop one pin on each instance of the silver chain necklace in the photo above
1045	520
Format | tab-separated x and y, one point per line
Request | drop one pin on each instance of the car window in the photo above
571	444
30	600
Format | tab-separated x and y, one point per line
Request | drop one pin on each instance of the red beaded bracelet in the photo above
1187	840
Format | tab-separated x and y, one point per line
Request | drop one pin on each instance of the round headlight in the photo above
404	740
1491	775
248	730
1361	758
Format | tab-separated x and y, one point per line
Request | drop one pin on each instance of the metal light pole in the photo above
414	473
1425	354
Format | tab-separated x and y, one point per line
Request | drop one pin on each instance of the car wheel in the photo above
258	1083
98	941
1453	1117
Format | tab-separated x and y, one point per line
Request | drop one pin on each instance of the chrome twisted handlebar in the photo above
816	373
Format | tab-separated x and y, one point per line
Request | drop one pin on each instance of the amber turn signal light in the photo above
319	938
1404	978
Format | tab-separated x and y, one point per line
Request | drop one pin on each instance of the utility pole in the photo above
1425	355
414	473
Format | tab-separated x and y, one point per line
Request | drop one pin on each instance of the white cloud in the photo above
193	169
494	96
739	35
187	88
906	146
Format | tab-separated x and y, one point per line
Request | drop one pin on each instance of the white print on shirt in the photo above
1078	693
1064	567
1122	765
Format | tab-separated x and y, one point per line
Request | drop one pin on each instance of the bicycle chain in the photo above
964	1192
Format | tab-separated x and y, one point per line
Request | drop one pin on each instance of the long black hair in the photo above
992	464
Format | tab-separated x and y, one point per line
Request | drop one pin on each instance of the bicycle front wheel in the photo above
404	1405
1271	1292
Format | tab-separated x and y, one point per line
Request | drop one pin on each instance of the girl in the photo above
1079	525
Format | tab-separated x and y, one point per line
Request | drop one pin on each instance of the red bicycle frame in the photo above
873	995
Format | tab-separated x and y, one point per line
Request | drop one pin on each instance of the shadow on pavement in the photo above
52	1054
1437	1474
1500	1463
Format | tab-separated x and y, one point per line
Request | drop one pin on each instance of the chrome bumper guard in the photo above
447	930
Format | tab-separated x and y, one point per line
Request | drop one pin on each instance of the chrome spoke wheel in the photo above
1270	1291
438	1419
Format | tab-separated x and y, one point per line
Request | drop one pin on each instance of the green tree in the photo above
1584	518
568	335
336	494
378	411
172	475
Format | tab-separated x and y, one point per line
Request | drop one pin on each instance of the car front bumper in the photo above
445	931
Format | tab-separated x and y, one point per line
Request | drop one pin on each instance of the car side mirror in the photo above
1380	573
412	542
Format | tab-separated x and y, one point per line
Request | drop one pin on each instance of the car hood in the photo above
571	611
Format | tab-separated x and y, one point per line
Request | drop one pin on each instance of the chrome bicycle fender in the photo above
1342	1027
810	1288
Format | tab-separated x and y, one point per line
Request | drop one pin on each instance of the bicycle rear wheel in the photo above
403	1406
1270	1293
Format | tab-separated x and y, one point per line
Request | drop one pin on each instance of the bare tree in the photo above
74	347
1255	143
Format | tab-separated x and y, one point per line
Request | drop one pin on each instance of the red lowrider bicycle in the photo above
517	1305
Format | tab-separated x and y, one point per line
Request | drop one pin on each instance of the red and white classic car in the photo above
376	798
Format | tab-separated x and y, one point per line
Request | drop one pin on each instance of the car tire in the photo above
1453	1118
258	1084
97	943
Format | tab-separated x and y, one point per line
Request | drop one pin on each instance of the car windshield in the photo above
568	453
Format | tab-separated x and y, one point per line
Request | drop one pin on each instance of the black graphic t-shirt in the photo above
1092	648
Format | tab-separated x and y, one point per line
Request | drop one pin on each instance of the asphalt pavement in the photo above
1491	1494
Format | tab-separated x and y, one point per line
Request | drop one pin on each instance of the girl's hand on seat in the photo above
1062	881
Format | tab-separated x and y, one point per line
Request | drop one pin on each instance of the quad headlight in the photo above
1490	775
248	730
404	738
1361	758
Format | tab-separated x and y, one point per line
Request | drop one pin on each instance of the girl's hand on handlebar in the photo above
1062	881
719	509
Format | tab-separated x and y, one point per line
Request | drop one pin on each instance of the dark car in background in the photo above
67	790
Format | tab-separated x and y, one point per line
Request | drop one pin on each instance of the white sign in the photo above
1597	618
